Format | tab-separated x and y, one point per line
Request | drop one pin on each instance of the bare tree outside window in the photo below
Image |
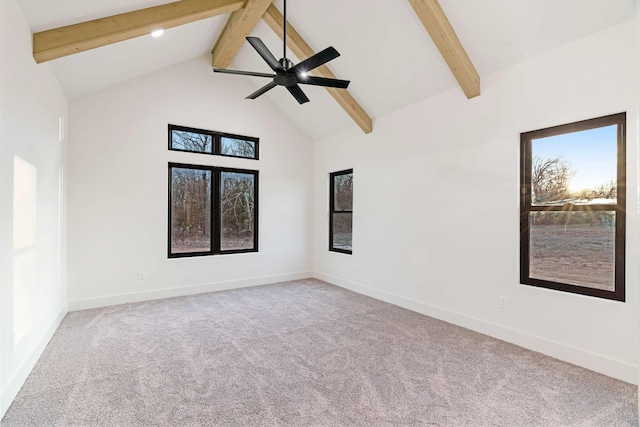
237	205
550	179
191	141
190	210
237	147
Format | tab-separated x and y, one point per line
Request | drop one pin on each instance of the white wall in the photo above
32	220
436	215
118	187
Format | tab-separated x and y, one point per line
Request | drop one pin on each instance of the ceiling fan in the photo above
286	73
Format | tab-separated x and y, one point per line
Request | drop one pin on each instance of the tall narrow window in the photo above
212	210
190	210
573	207
238	220
341	211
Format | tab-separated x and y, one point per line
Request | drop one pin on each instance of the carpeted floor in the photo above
300	353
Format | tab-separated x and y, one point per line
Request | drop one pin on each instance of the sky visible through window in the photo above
592	154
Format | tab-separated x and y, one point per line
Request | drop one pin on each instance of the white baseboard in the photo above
84	304
20	376
596	362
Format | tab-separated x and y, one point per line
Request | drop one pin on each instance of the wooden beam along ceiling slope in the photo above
245	14
444	37
63	41
239	25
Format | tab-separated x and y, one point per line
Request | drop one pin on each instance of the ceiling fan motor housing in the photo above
285	79
286	63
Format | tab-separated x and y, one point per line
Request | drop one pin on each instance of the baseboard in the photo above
20	376
84	304
596	362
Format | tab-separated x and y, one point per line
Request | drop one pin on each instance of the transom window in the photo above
572	207
193	140
341	211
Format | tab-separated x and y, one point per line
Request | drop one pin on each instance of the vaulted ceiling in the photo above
395	52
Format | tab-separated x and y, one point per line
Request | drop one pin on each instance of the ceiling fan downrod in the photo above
284	33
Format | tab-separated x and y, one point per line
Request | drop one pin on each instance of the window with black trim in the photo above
341	211
572	205
212	210
194	140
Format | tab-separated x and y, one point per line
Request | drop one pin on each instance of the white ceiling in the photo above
386	52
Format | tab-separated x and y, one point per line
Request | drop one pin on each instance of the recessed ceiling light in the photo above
157	33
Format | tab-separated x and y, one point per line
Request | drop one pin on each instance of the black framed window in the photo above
212	210
194	140
341	211
572	205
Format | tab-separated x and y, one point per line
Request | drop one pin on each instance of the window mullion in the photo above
215	211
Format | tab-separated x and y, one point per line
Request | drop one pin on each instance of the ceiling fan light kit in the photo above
285	73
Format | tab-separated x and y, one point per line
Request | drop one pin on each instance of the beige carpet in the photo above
300	353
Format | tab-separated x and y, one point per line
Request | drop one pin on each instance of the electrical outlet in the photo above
289	261
503	302
142	275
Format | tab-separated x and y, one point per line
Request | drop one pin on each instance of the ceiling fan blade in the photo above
321	81
262	90
298	94
242	73
260	47
316	60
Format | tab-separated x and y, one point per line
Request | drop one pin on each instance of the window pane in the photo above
238	147
343	192
577	167
575	248
190	210
237	197
191	141
342	230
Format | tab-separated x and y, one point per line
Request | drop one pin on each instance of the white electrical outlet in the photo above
289	261
142	275
503	302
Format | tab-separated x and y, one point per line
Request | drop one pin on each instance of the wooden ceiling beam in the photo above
439	28
63	41
302	50
240	24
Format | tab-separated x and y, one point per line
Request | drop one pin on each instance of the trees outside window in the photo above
194	140
573	207
212	210
237	210
190	210
341	211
